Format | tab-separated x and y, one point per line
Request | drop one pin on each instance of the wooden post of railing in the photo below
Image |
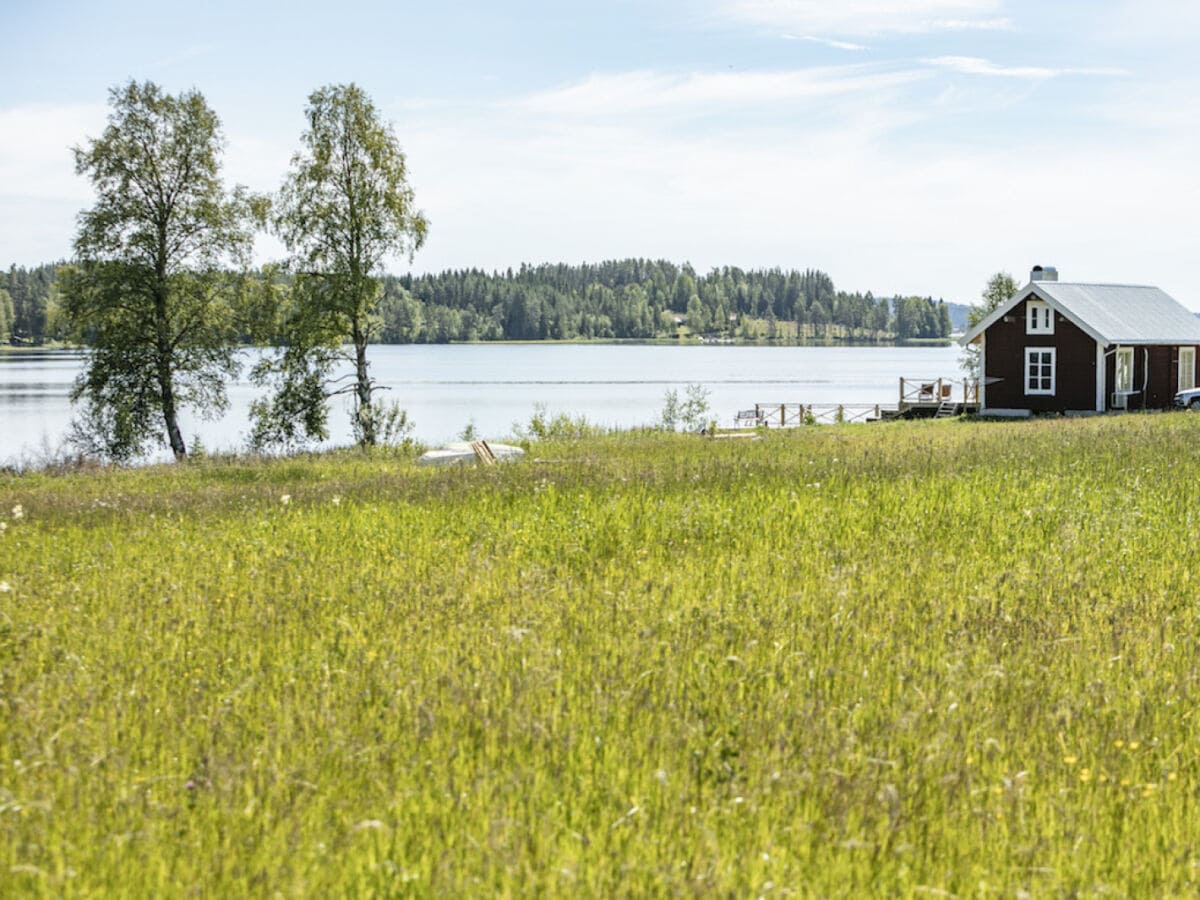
877	412
757	416
901	392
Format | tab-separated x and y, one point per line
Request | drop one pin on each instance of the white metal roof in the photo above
1109	313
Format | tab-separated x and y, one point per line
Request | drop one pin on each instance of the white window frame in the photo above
1039	318
1039	391
1189	354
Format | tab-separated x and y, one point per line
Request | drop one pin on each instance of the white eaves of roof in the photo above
1109	313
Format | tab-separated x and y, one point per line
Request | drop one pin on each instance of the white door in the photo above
1187	368
1123	383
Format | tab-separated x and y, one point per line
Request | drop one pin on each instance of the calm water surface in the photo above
495	385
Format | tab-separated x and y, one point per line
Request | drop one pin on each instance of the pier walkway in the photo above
919	398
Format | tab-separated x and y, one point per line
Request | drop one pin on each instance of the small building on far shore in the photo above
1069	347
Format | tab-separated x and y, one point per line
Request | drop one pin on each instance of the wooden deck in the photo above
919	398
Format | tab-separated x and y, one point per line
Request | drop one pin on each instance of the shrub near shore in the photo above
899	659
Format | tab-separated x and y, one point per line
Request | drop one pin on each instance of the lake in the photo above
493	386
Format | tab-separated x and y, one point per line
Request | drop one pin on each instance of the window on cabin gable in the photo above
1039	318
1039	370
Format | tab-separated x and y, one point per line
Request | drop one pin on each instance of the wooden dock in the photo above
919	398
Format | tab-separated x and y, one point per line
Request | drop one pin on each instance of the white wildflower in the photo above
285	499
5	587
337	501
18	511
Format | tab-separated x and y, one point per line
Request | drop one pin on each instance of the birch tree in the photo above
151	289
998	290
344	208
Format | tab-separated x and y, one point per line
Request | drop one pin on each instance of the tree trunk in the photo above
164	361
166	388
169	414
362	389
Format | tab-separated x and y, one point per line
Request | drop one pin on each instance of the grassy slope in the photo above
841	660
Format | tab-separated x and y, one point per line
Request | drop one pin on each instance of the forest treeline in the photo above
620	299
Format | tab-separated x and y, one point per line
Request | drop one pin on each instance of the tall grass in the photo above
897	659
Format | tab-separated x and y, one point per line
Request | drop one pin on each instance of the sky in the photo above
902	146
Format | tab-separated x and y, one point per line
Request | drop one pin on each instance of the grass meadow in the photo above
914	659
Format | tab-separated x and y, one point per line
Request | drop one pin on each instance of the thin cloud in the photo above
840	195
627	93
972	65
827	42
868	17
1000	24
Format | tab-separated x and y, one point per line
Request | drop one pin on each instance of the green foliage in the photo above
691	413
615	300
630	298
998	290
903	660
295	411
7	316
29	292
560	427
920	318
151	290
345	205
383	424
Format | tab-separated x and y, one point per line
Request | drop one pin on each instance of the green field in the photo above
908	659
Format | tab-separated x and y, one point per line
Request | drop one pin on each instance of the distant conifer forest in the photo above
631	299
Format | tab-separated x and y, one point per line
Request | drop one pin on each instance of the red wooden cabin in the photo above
1065	347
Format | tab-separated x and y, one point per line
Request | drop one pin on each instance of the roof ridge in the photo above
1153	287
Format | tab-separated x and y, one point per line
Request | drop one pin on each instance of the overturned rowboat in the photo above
471	452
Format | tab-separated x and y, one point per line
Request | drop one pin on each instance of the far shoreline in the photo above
598	342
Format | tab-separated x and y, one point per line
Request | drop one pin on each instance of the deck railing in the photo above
928	391
788	415
914	392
